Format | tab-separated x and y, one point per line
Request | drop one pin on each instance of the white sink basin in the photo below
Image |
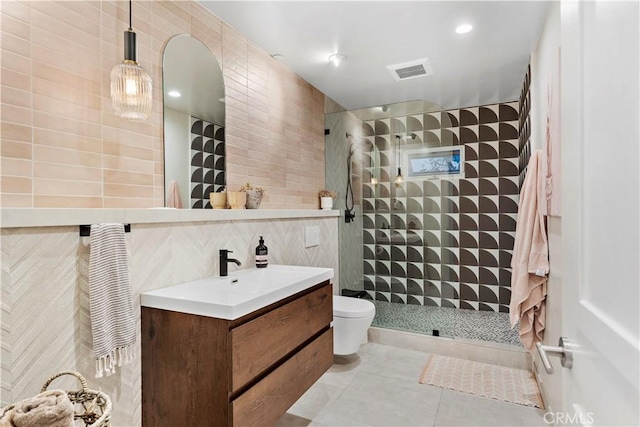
240	293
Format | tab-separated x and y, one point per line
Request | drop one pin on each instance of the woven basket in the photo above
95	404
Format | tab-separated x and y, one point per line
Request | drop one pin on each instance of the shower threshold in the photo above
488	326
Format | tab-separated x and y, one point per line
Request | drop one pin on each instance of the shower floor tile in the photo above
450	322
379	387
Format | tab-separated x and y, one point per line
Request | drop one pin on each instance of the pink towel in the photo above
530	261
173	196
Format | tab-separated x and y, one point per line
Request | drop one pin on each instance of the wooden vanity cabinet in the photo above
205	371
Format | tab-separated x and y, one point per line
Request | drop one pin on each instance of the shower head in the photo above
352	147
352	150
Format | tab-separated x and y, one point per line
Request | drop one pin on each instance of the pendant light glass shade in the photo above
131	91
131	88
399	178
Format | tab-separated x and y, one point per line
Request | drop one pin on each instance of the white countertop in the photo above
238	294
51	217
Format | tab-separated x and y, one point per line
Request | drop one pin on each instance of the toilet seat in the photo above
352	307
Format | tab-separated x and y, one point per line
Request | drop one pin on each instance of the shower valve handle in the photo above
349	215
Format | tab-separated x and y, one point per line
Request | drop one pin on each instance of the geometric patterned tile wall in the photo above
207	161
44	315
443	242
524	146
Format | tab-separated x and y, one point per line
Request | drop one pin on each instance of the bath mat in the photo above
482	379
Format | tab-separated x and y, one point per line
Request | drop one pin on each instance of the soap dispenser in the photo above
262	257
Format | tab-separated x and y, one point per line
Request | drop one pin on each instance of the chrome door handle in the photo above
563	351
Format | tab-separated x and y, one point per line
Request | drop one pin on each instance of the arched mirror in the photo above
194	122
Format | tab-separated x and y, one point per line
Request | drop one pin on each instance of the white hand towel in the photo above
113	321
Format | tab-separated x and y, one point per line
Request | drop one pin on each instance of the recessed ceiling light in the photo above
465	28
174	94
337	59
277	56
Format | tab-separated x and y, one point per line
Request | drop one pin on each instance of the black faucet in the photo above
224	260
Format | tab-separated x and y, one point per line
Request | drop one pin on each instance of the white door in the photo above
601	216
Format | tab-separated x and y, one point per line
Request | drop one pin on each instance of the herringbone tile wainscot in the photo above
44	315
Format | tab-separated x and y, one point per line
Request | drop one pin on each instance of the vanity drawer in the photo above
263	341
265	402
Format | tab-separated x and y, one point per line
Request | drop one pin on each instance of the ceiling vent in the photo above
411	70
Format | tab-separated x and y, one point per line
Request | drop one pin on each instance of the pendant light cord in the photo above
130	27
398	137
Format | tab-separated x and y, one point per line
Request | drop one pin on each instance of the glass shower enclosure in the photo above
435	198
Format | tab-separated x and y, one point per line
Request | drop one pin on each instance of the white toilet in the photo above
351	320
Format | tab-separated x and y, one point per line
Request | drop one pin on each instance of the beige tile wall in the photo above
63	147
44	317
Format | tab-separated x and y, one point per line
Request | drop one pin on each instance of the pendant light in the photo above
399	178
130	84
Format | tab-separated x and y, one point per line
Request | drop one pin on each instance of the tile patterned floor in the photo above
450	322
379	387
